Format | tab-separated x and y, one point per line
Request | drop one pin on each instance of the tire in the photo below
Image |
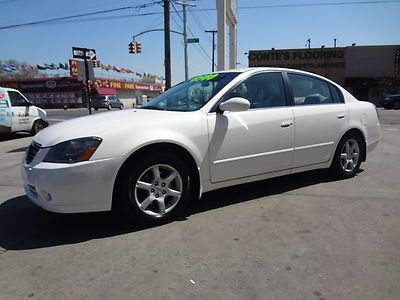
150	197
121	106
96	108
348	156
37	126
396	105
109	107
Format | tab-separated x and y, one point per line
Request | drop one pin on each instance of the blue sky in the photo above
263	28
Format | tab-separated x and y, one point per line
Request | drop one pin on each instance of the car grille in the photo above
31	152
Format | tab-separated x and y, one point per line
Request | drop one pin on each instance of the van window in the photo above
16	99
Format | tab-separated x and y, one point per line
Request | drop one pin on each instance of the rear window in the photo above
100	98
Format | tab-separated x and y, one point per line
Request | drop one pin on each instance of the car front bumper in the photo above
71	188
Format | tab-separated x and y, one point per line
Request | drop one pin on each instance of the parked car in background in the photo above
392	101
107	101
140	101
212	131
19	114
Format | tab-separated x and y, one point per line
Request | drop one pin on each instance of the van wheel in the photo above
153	190
37	126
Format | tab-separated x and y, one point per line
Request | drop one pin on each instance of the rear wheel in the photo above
37	126
154	190
95	108
347	159
396	105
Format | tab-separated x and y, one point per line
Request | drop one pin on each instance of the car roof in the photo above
8	89
257	69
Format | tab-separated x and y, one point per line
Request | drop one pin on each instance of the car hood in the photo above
103	123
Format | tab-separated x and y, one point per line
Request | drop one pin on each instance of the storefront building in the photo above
368	72
58	92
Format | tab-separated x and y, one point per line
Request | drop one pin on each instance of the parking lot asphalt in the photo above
304	236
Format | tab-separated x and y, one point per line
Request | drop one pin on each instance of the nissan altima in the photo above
212	131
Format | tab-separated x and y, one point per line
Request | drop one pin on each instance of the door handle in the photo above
341	116
286	124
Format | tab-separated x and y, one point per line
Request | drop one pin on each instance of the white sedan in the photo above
212	131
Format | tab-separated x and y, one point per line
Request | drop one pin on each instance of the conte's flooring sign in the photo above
326	62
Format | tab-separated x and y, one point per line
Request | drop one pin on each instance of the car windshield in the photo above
192	94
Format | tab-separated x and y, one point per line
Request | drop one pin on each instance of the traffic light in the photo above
96	63
132	47
138	47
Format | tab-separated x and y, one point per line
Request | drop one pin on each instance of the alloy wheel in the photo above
158	190
349	155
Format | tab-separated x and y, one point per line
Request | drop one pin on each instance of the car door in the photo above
22	112
256	141
5	113
113	102
320	118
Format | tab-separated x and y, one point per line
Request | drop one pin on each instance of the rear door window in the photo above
308	90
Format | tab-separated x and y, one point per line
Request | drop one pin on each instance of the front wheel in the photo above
154	190
37	126
347	159
396	105
109	107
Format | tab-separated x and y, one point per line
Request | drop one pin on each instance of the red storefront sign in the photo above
126	85
73	68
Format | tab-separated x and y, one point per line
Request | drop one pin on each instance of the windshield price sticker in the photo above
204	77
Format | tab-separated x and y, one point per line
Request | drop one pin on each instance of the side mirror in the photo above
28	103
235	104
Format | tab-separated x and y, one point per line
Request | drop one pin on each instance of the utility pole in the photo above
87	80
308	43
167	46
184	4
213	46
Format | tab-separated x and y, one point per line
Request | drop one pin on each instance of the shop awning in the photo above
106	91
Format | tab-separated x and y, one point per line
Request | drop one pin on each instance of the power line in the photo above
66	18
180	27
58	20
318	4
201	47
200	25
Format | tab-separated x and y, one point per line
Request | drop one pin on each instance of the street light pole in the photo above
184	4
213	47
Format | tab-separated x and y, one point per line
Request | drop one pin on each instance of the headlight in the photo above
73	151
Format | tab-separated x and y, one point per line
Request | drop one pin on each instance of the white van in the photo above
18	114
